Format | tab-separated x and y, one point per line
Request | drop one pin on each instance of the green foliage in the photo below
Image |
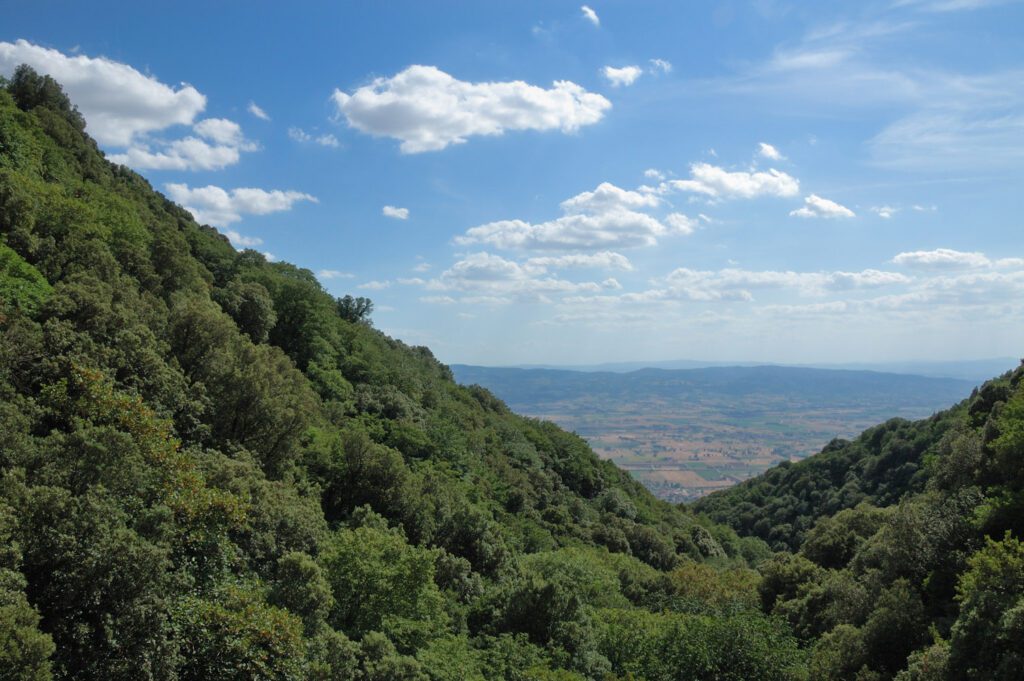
236	636
988	637
211	468
22	287
745	647
381	583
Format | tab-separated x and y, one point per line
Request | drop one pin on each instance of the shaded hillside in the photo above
906	556
212	469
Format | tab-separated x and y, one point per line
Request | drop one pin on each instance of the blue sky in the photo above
545	182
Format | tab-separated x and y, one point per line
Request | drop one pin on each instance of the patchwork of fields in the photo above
685	433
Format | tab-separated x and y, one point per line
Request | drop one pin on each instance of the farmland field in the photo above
685	433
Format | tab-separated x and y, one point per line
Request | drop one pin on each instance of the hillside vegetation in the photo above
212	469
900	553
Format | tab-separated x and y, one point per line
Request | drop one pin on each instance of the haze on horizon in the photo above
542	183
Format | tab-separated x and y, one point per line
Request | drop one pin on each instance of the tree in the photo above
355	309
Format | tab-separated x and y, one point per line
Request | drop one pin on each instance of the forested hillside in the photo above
212	469
900	552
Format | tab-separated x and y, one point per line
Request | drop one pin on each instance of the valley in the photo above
687	432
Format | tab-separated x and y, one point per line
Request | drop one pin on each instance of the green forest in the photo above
210	468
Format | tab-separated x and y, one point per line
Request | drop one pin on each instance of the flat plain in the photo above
685	433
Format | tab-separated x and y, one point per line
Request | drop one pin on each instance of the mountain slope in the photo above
212	469
907	561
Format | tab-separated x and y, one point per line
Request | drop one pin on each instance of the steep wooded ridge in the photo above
906	556
212	469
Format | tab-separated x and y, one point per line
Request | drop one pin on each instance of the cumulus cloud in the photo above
375	285
884	212
396	213
241	241
491	278
817	207
607	217
118	103
654	174
219	144
123	107
428	110
607	197
590	15
718	183
681	223
768	151
223	131
258	112
324	140
942	259
625	75
190	153
220	207
614	229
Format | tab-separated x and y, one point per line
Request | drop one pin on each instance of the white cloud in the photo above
118	102
625	75
396	213
422	267
719	183
603	260
219	207
240	240
818	207
660	65
221	146
490	278
885	212
324	140
269	256
654	174
375	285
768	151
607	217
590	15
190	153
608	197
334	274
614	229
258	112
427	109
680	223
223	131
737	284
942	259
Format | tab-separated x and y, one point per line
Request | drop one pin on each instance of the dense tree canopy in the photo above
212	469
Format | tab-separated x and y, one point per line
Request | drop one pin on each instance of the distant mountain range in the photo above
973	370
